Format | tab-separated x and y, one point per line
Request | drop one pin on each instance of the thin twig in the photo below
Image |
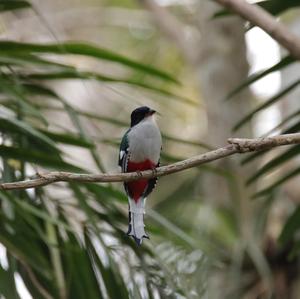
261	18
236	145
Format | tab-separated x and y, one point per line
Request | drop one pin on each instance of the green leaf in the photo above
15	90
7	286
274	7
266	104
284	122
12	125
277	183
78	125
287	60
6	5
82	49
120	123
40	90
253	156
26	247
102	118
291	227
175	139
80	272
105	193
275	162
293	129
113	281
26	207
172	228
67	138
23	251
38	158
74	74
83	203
89	115
28	60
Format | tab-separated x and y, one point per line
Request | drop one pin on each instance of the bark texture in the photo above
236	145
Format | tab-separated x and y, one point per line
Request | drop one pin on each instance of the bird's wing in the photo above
123	150
151	184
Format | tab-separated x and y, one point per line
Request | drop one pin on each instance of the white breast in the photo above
145	141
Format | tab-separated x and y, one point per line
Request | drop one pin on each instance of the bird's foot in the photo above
154	171
40	175
139	173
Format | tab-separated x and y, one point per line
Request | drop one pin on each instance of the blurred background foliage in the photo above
70	74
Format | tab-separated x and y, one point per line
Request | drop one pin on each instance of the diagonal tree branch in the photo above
261	18
236	145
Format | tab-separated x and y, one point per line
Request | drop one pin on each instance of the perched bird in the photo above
140	150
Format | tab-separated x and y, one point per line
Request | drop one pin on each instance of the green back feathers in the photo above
123	147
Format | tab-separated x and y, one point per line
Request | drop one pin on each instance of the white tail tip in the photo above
136	220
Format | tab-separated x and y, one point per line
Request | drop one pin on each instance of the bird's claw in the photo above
40	175
154	171
139	173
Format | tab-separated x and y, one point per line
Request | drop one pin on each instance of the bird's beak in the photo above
151	112
157	113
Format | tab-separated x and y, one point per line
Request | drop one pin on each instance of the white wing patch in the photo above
122	154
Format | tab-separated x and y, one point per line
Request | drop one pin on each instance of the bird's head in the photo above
140	113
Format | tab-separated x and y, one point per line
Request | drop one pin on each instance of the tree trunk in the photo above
221	67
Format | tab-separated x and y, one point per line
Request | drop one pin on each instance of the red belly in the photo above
137	188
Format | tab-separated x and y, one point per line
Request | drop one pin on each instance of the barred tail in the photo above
136	220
